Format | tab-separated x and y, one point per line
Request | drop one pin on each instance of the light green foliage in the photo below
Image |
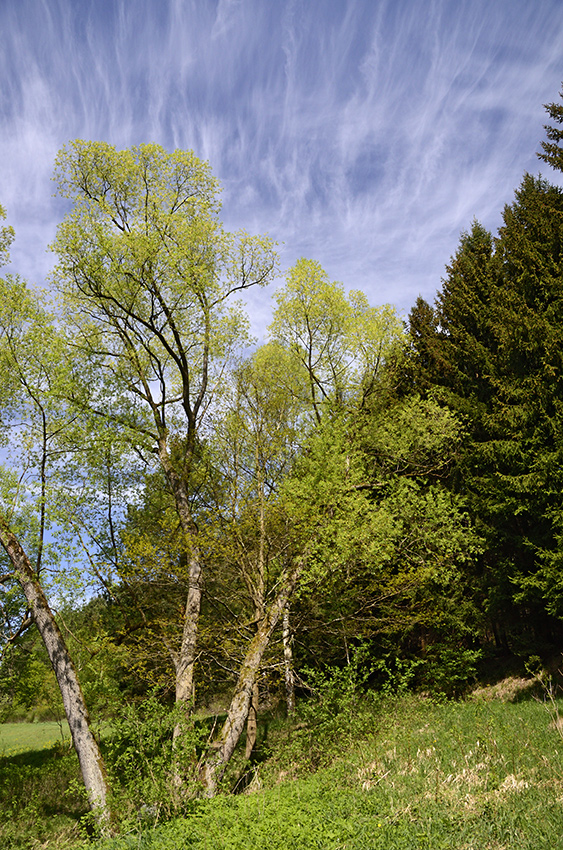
422	604
386	544
311	321
255	439
339	342
146	269
6	239
38	428
23	324
141	760
32	371
28	687
35	362
38	432
326	501
94	636
147	274
409	448
256	428
417	436
149	593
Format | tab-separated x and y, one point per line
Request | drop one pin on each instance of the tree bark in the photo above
89	756
224	747
288	662
187	655
252	722
185	660
259	591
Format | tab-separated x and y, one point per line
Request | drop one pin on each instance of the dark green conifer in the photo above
492	351
552	150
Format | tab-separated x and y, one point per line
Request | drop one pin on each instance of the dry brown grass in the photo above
510	689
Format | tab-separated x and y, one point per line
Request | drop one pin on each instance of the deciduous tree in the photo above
33	423
337	340
148	274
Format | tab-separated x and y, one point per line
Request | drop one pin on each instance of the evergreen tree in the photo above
552	151
527	415
491	351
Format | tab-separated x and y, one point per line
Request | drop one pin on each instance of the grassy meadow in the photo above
24	737
396	773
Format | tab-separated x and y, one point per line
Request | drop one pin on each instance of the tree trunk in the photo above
185	660
89	756
187	655
288	663
252	722
224	746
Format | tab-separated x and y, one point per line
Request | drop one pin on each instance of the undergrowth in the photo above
399	774
39	806
354	772
468	776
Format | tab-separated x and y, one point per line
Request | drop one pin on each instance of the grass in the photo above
39	775
21	737
399	774
404	776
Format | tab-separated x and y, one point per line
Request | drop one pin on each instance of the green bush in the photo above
150	778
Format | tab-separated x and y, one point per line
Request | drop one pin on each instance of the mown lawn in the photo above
22	737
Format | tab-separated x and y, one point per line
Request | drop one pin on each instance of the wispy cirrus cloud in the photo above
365	135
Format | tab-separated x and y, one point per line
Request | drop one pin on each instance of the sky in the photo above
364	134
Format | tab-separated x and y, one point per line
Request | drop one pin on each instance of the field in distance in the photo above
21	737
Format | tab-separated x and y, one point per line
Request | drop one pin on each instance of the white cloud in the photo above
366	135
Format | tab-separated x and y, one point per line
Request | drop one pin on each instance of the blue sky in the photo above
365	134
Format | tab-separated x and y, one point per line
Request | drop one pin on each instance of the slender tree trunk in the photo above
259	606
188	649
185	659
288	662
252	721
224	747
89	756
